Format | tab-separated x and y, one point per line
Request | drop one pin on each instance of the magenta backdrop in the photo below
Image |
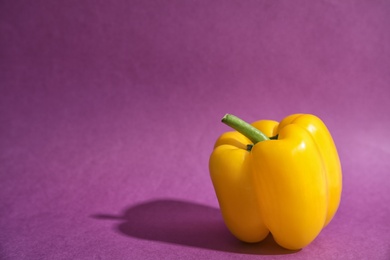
109	111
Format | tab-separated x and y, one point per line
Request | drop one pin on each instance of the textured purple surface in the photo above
109	111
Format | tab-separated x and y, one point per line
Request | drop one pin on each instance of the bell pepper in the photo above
284	178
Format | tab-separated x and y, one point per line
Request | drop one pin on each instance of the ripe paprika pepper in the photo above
284	178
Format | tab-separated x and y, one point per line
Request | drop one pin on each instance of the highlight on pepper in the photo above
282	178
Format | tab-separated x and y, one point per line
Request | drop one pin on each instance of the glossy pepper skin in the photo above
290	186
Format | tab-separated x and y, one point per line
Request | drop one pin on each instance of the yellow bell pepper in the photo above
284	178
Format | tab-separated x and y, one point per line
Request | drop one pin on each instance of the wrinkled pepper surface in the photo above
284	178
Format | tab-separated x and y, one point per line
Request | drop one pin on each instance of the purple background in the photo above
109	111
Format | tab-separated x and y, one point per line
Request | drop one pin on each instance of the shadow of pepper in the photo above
186	223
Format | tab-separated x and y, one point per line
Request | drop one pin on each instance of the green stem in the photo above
252	133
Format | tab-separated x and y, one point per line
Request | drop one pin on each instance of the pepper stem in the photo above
252	133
